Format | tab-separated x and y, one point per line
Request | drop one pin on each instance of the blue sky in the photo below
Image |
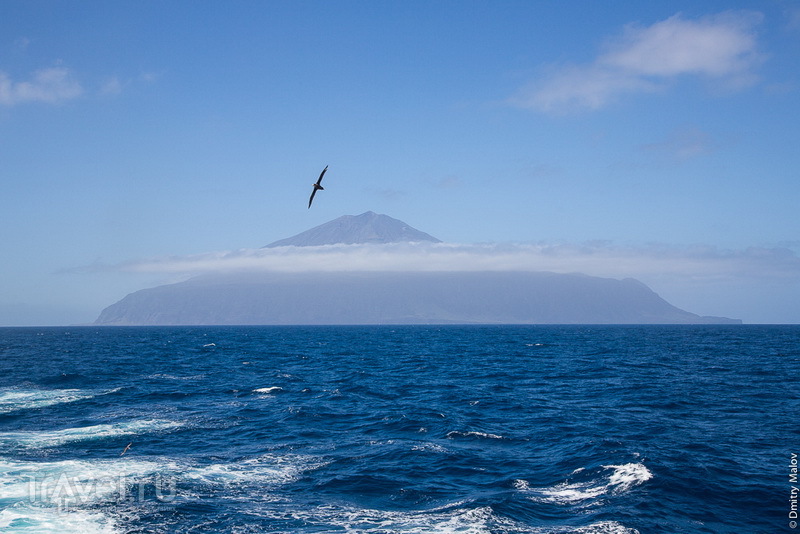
657	140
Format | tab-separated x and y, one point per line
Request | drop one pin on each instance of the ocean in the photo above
400	429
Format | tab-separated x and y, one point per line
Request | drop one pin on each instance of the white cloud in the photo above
51	86
575	88
112	86
721	47
598	259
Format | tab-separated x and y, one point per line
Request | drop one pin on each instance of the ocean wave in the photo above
265	469
244	461
28	519
72	482
66	496
468	521
429	447
604	527
39	497
55	438
443	520
167	376
620	479
472	435
268	390
13	399
21	399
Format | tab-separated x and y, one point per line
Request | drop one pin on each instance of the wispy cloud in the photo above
721	47
387	193
111	86
22	43
792	18
451	181
52	86
598	259
683	144
114	85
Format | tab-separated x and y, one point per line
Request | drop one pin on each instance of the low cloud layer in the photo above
598	259
720	48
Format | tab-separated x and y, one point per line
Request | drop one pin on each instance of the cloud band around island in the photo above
597	259
721	48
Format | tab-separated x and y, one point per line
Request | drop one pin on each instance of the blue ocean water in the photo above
390	429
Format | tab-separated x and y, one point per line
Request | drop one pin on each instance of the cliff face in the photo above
398	298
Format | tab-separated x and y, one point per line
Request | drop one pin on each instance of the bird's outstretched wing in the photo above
317	186
319	180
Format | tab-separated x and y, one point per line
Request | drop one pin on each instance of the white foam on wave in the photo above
429	447
83	496
466	521
166	376
55	438
448	519
269	390
621	479
75	483
13	399
472	434
75	496
70	483
44	497
22	399
626	476
267	469
35	520
604	527
81	482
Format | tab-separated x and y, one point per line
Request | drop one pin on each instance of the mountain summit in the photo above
368	227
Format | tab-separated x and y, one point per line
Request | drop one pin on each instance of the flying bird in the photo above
317	186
